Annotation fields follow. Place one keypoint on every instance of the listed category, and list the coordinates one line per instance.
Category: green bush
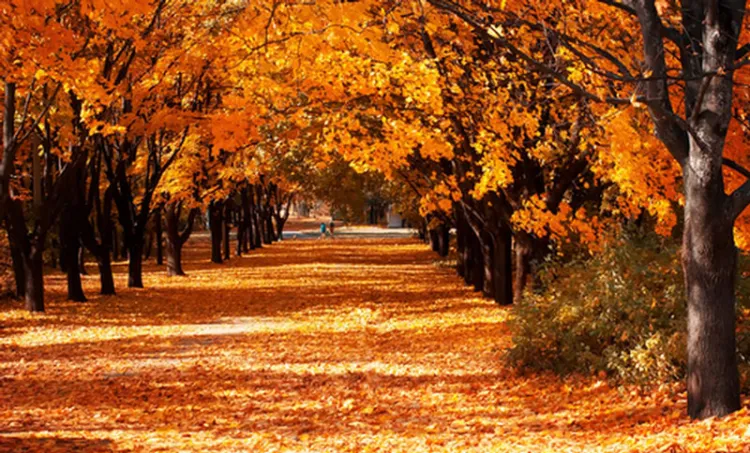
(622, 312)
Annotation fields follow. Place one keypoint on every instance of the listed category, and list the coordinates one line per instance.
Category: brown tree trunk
(709, 261)
(82, 260)
(474, 268)
(240, 231)
(257, 229)
(269, 230)
(34, 276)
(75, 288)
(280, 221)
(106, 280)
(159, 237)
(434, 240)
(135, 263)
(174, 256)
(176, 239)
(18, 270)
(523, 252)
(70, 254)
(444, 238)
(148, 246)
(115, 244)
(124, 248)
(502, 266)
(461, 247)
(215, 229)
(248, 204)
(226, 234)
(107, 236)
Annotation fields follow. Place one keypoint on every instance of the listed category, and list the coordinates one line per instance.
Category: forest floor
(306, 346)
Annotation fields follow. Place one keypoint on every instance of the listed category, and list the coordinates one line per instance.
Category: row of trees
(526, 127)
(113, 117)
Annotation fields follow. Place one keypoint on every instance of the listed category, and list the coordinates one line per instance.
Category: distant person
(322, 230)
(331, 226)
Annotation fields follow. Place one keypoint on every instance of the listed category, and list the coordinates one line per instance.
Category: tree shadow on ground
(38, 444)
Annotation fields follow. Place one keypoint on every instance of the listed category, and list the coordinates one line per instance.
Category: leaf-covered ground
(347, 345)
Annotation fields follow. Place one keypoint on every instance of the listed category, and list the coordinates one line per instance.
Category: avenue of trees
(527, 127)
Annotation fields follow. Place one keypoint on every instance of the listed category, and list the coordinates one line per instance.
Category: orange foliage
(346, 345)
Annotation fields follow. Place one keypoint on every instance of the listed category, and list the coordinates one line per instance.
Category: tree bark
(176, 239)
(280, 221)
(269, 230)
(257, 228)
(502, 269)
(174, 245)
(34, 273)
(148, 245)
(159, 237)
(82, 260)
(70, 254)
(106, 280)
(215, 229)
(115, 244)
(444, 238)
(227, 213)
(474, 265)
(18, 270)
(75, 287)
(434, 240)
(135, 263)
(523, 250)
(709, 261)
(240, 231)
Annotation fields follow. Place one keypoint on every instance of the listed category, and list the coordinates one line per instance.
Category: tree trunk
(135, 263)
(269, 228)
(18, 270)
(248, 207)
(82, 260)
(215, 228)
(434, 240)
(70, 252)
(257, 229)
(176, 238)
(461, 248)
(523, 253)
(261, 224)
(34, 276)
(240, 232)
(502, 268)
(709, 261)
(444, 237)
(115, 244)
(159, 238)
(174, 246)
(227, 230)
(107, 231)
(75, 288)
(123, 248)
(148, 245)
(280, 221)
(476, 272)
(174, 257)
(106, 280)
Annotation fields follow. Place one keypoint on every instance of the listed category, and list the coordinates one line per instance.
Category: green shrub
(622, 312)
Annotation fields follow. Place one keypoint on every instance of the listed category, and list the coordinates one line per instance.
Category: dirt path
(348, 345)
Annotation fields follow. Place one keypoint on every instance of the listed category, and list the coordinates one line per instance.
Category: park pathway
(350, 345)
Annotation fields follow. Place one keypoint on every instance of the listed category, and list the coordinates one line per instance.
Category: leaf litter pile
(348, 345)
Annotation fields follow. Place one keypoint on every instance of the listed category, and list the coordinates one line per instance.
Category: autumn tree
(688, 57)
